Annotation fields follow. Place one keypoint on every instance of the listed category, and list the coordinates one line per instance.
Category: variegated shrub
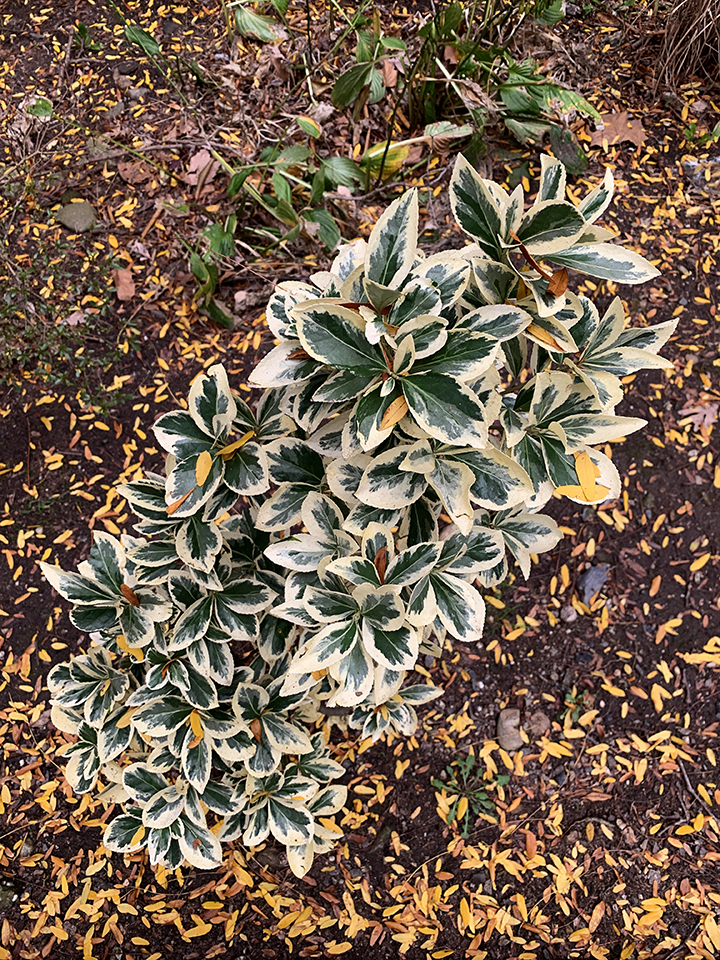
(298, 558)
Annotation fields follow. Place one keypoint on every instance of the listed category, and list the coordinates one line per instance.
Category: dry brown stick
(693, 792)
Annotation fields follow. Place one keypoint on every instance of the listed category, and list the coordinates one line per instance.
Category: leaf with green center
(465, 356)
(198, 543)
(326, 647)
(446, 410)
(354, 673)
(412, 564)
(126, 833)
(550, 227)
(210, 403)
(293, 461)
(192, 624)
(393, 242)
(200, 847)
(286, 363)
(369, 414)
(608, 262)
(290, 823)
(196, 759)
(386, 484)
(396, 648)
(333, 335)
(552, 180)
(598, 200)
(453, 482)
(183, 494)
(75, 588)
(246, 471)
(527, 533)
(475, 209)
(459, 606)
(498, 481)
(500, 321)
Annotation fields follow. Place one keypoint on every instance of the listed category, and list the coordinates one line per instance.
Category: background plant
(300, 556)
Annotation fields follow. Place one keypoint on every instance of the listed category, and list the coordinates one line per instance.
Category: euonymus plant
(297, 558)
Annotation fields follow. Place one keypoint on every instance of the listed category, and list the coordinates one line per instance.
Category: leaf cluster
(297, 558)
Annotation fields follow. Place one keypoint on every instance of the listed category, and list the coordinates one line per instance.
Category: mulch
(605, 840)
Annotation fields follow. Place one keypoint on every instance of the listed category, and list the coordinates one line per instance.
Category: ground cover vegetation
(163, 169)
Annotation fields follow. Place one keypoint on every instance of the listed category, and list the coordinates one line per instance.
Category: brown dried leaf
(197, 166)
(124, 284)
(135, 172)
(129, 595)
(619, 128)
(597, 915)
(557, 284)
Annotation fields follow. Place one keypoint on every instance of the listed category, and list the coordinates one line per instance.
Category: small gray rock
(27, 849)
(78, 217)
(508, 730)
(592, 581)
(568, 614)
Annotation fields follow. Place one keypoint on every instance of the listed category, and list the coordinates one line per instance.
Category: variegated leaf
(446, 410)
(460, 606)
(210, 403)
(334, 336)
(550, 227)
(393, 241)
(387, 485)
(474, 208)
(608, 262)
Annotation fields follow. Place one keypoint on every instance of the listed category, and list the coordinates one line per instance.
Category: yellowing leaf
(308, 125)
(230, 449)
(535, 331)
(177, 504)
(461, 808)
(597, 915)
(126, 718)
(196, 724)
(395, 157)
(699, 563)
(589, 491)
(203, 466)
(394, 413)
(657, 694)
(136, 652)
(138, 835)
(712, 930)
(587, 471)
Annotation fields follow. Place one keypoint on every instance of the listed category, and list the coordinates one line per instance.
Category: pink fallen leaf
(199, 163)
(124, 284)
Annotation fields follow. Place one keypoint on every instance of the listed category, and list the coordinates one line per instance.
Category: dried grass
(692, 42)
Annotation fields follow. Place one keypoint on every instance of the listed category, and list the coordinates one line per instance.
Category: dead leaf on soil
(389, 73)
(619, 128)
(74, 319)
(135, 172)
(124, 284)
(701, 415)
(197, 166)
